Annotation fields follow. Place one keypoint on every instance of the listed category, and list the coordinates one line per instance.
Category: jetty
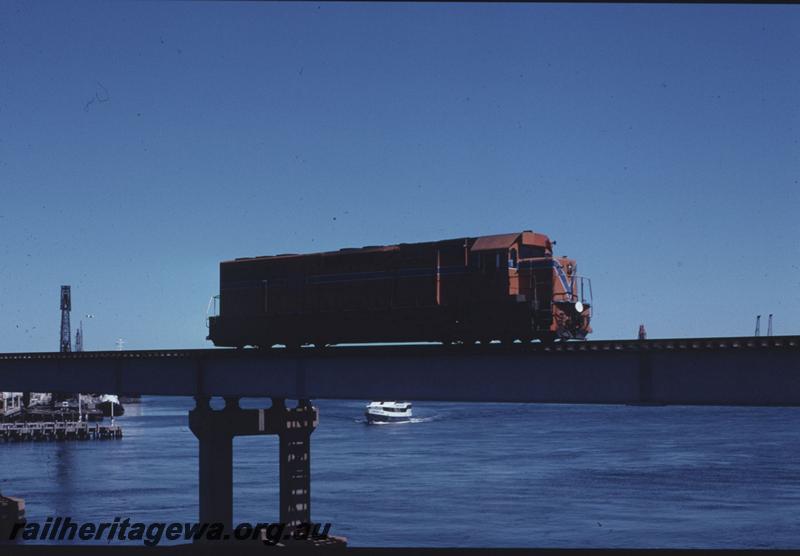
(57, 431)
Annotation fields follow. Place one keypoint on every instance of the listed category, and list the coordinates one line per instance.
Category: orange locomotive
(502, 287)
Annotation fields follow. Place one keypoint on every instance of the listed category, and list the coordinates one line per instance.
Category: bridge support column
(215, 462)
(295, 464)
(215, 430)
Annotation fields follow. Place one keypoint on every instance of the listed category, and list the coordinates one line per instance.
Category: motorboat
(388, 412)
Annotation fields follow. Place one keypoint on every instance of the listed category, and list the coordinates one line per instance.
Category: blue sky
(143, 142)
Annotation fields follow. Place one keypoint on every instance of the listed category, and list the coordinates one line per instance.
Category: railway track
(599, 346)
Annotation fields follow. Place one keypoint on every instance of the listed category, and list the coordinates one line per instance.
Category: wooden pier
(57, 431)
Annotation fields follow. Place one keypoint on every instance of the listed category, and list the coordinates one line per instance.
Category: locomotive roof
(366, 249)
(504, 241)
(482, 243)
(499, 241)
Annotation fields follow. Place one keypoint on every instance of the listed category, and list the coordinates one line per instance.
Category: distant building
(10, 404)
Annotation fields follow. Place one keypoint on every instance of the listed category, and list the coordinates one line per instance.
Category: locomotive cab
(561, 299)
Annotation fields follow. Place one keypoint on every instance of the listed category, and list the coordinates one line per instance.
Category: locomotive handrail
(586, 280)
(212, 310)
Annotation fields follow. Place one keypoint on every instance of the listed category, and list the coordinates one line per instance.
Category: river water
(461, 475)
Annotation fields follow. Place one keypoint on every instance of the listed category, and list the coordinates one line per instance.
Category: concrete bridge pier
(215, 461)
(295, 464)
(215, 430)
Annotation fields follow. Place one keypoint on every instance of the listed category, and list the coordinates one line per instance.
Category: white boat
(388, 412)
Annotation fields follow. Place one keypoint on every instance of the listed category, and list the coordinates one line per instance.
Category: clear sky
(143, 142)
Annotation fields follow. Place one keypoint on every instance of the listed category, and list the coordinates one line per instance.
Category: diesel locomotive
(504, 287)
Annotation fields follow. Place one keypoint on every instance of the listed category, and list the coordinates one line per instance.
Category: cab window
(531, 251)
(512, 258)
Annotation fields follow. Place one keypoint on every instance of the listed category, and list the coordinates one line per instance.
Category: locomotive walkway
(750, 371)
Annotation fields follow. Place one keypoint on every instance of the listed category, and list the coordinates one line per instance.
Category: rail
(721, 343)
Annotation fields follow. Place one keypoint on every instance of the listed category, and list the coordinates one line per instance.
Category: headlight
(579, 307)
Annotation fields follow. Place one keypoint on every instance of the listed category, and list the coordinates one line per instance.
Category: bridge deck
(713, 371)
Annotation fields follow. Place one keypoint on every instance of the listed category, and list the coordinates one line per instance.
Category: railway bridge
(745, 371)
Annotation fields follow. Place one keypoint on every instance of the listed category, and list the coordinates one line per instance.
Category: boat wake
(410, 421)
